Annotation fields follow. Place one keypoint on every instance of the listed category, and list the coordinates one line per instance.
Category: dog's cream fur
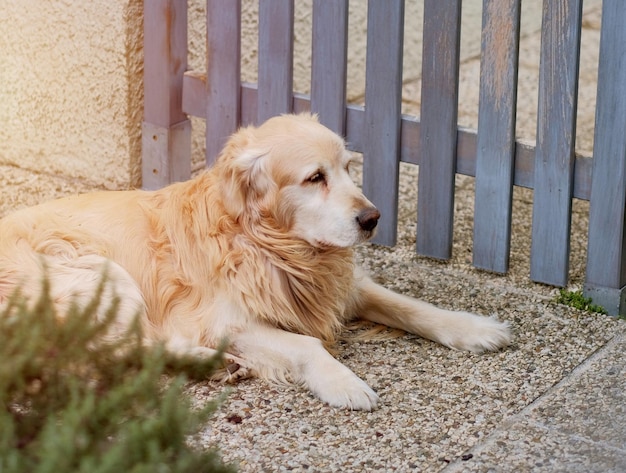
(255, 251)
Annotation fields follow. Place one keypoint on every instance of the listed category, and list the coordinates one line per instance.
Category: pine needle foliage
(70, 402)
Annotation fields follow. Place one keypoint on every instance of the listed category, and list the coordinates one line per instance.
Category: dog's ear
(243, 177)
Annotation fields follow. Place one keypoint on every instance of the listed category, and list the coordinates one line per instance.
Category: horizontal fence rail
(466, 139)
(434, 142)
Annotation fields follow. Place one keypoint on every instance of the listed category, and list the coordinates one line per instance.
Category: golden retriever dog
(256, 250)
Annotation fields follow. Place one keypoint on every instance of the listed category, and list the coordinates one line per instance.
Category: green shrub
(70, 403)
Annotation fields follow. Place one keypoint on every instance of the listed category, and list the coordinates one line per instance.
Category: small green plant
(577, 300)
(71, 403)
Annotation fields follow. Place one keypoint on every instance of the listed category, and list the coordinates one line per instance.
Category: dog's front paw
(232, 370)
(339, 387)
(352, 393)
(477, 334)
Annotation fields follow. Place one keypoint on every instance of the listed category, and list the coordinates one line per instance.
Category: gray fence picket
(556, 128)
(383, 96)
(223, 78)
(329, 63)
(606, 269)
(275, 58)
(438, 128)
(495, 153)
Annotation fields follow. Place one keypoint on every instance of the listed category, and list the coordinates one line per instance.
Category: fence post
(329, 63)
(495, 148)
(438, 127)
(556, 133)
(166, 131)
(275, 94)
(223, 77)
(382, 123)
(606, 264)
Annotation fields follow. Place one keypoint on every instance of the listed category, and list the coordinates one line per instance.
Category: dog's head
(292, 172)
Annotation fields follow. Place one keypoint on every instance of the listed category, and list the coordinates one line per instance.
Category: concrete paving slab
(528, 447)
(577, 426)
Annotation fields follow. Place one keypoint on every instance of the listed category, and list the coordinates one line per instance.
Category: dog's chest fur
(300, 289)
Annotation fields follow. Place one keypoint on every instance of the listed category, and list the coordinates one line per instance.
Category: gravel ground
(436, 403)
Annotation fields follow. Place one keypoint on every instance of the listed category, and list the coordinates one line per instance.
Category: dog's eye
(317, 178)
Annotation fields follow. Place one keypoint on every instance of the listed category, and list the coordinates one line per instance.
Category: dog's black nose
(368, 218)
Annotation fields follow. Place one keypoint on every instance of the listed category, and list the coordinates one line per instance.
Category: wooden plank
(329, 63)
(355, 127)
(223, 77)
(495, 153)
(606, 264)
(194, 93)
(166, 154)
(300, 103)
(556, 128)
(383, 95)
(165, 60)
(275, 58)
(438, 128)
(166, 157)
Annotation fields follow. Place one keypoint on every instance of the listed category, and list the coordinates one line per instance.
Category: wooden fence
(434, 142)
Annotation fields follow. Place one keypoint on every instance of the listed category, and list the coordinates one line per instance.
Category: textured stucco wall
(71, 94)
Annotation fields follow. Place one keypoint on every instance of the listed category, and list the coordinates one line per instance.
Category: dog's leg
(284, 356)
(458, 330)
(231, 370)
